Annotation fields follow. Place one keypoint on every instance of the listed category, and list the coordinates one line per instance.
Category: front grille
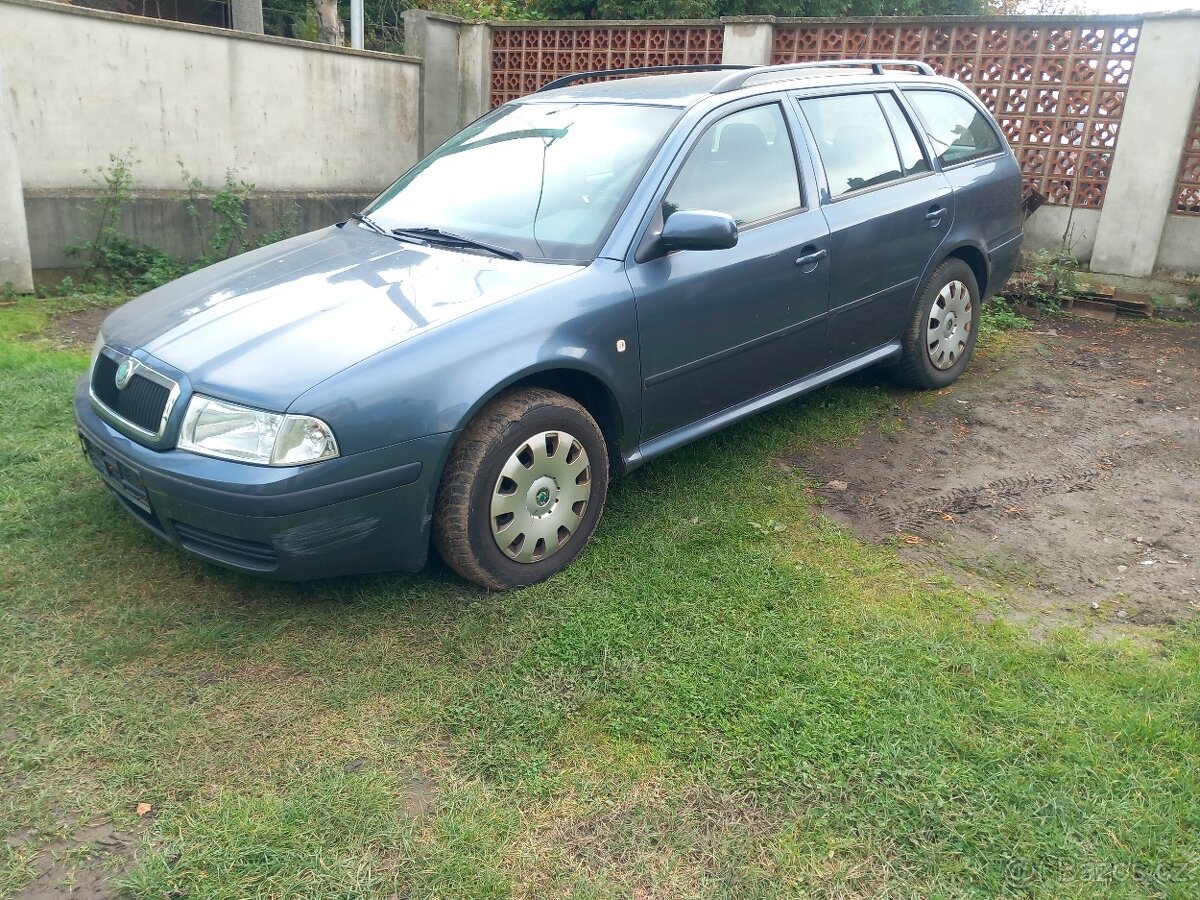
(236, 551)
(142, 402)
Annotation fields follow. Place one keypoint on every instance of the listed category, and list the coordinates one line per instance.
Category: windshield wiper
(449, 238)
(379, 229)
(370, 223)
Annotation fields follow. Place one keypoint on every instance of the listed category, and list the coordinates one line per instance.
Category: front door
(720, 327)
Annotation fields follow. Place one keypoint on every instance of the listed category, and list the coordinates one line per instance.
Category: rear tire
(940, 339)
(523, 490)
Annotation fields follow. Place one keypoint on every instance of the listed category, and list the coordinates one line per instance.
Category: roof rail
(735, 80)
(640, 70)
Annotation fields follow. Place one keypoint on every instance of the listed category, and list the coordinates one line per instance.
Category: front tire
(941, 336)
(523, 490)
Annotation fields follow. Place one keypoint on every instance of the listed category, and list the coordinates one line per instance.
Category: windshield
(544, 179)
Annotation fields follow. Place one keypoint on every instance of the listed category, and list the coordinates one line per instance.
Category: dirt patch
(1061, 472)
(77, 330)
(85, 864)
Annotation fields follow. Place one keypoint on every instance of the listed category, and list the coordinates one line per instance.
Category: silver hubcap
(949, 325)
(541, 496)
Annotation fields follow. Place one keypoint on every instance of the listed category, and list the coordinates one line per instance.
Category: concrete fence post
(1162, 89)
(247, 15)
(474, 71)
(435, 38)
(16, 267)
(748, 40)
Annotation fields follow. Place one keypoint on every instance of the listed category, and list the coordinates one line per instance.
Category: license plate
(121, 478)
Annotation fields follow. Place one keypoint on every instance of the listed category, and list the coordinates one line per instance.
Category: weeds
(223, 231)
(998, 316)
(1055, 274)
(116, 263)
(110, 254)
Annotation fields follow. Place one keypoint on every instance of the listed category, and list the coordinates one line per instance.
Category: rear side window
(854, 141)
(957, 129)
(911, 156)
(743, 165)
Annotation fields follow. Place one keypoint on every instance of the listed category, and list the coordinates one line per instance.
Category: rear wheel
(941, 336)
(523, 490)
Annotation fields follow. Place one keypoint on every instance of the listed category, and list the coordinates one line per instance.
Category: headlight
(217, 428)
(96, 347)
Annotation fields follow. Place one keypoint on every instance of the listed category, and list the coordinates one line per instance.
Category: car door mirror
(699, 229)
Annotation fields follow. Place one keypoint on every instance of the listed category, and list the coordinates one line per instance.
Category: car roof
(686, 88)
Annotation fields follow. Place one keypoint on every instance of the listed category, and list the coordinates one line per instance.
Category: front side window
(546, 179)
(958, 130)
(743, 165)
(854, 141)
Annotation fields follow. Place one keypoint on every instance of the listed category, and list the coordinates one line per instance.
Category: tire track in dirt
(1063, 469)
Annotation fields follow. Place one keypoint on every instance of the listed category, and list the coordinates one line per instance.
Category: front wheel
(523, 490)
(941, 336)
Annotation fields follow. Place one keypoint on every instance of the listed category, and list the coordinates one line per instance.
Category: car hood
(266, 326)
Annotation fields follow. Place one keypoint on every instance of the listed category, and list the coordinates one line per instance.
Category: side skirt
(706, 426)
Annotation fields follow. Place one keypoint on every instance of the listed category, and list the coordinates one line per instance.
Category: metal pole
(356, 24)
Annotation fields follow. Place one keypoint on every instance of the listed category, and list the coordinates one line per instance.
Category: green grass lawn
(726, 696)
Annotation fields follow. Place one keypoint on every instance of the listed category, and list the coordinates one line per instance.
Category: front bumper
(369, 512)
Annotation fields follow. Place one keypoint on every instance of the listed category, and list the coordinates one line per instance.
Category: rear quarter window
(957, 129)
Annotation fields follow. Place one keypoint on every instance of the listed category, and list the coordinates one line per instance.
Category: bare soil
(1061, 473)
(85, 864)
(78, 330)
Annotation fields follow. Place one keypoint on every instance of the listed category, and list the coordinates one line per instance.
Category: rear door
(975, 160)
(720, 327)
(887, 209)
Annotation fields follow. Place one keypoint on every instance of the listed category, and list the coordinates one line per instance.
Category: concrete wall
(325, 127)
(748, 41)
(1053, 226)
(434, 39)
(474, 71)
(1179, 251)
(160, 219)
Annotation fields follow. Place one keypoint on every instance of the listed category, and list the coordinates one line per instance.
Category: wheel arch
(585, 387)
(976, 259)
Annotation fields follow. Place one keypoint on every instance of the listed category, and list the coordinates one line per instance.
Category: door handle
(935, 215)
(812, 258)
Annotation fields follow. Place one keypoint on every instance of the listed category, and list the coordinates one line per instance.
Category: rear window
(958, 130)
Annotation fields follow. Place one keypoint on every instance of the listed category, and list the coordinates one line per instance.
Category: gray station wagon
(575, 283)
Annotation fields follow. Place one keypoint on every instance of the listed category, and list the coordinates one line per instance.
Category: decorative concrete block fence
(1103, 113)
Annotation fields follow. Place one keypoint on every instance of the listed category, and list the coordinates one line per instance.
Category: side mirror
(699, 229)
